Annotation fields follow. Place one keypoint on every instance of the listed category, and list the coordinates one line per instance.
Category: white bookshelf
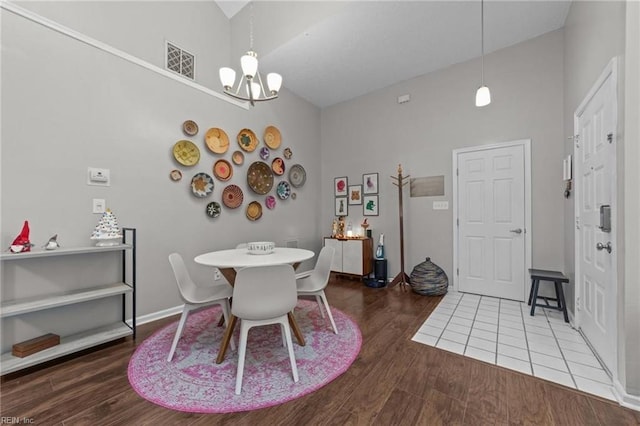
(83, 339)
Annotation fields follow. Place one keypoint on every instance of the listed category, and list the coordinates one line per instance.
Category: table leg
(296, 329)
(226, 338)
(230, 275)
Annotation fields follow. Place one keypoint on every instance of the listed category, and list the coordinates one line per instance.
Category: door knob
(516, 231)
(606, 247)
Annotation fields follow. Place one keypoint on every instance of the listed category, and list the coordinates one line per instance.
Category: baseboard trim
(625, 399)
(154, 316)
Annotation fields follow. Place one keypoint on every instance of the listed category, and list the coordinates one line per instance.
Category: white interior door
(596, 250)
(491, 221)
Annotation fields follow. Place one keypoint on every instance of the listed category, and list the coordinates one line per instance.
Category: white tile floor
(502, 332)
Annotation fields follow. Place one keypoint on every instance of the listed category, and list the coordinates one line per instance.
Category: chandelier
(250, 79)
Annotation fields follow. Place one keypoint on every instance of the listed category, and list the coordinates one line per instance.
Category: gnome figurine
(22, 244)
(52, 244)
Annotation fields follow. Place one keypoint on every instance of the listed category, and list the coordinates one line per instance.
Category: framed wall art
(342, 206)
(370, 183)
(370, 205)
(340, 186)
(355, 194)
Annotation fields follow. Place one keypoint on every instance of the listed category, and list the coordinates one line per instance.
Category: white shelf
(32, 304)
(62, 251)
(68, 345)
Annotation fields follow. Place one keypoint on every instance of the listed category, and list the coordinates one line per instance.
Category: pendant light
(483, 96)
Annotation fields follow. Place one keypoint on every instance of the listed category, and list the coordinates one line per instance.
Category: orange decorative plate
(247, 140)
(217, 140)
(232, 196)
(272, 137)
(254, 210)
(222, 170)
(238, 158)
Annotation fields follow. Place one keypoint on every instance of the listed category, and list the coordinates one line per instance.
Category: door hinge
(577, 222)
(576, 139)
(457, 172)
(458, 222)
(610, 137)
(457, 271)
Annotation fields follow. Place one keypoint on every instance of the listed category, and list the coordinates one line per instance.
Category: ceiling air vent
(180, 61)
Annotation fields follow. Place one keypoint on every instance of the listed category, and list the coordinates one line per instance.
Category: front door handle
(516, 231)
(606, 247)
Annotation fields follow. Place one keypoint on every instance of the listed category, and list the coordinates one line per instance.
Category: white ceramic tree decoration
(107, 231)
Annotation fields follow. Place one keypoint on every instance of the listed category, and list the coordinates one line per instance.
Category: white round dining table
(241, 258)
(228, 261)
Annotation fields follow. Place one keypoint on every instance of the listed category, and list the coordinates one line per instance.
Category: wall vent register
(180, 61)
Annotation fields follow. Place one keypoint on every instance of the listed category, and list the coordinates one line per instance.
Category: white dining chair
(195, 296)
(315, 283)
(264, 295)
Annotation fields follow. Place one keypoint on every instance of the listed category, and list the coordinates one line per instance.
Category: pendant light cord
(482, 36)
(251, 26)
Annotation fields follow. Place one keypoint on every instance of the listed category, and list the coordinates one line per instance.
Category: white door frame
(526, 144)
(611, 70)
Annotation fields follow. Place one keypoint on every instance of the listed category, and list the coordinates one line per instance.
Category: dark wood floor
(394, 381)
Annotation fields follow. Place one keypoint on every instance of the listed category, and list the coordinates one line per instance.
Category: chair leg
(292, 357)
(534, 296)
(244, 332)
(320, 305)
(176, 338)
(326, 305)
(561, 301)
(283, 335)
(226, 308)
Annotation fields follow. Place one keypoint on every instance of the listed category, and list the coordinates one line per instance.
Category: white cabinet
(351, 256)
(23, 317)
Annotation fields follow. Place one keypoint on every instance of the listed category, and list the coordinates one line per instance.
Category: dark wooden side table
(557, 278)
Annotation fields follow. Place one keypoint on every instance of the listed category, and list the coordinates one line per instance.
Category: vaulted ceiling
(363, 46)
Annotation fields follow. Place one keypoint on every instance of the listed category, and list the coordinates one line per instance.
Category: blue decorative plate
(283, 190)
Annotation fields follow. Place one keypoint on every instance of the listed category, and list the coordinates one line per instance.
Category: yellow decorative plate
(254, 210)
(247, 140)
(272, 137)
(186, 153)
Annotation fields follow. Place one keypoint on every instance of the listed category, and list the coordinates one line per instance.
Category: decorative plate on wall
(288, 153)
(201, 185)
(247, 140)
(254, 210)
(232, 196)
(190, 127)
(264, 153)
(217, 140)
(260, 177)
(238, 158)
(283, 190)
(270, 202)
(213, 209)
(223, 170)
(186, 153)
(277, 165)
(272, 137)
(297, 175)
(175, 175)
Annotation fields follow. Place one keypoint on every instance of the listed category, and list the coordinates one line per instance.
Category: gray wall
(374, 133)
(67, 106)
(595, 33)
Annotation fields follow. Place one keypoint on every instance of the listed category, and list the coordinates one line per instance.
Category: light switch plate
(99, 205)
(441, 205)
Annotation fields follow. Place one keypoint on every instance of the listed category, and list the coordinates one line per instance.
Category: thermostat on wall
(98, 177)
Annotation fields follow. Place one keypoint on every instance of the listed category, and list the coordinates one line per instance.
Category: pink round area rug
(193, 382)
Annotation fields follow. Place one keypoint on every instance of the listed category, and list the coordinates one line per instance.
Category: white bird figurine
(52, 244)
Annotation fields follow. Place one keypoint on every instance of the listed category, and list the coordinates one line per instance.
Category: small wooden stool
(557, 278)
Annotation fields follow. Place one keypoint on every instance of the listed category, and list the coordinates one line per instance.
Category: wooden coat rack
(402, 278)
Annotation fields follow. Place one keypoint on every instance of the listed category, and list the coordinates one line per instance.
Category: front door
(491, 221)
(595, 154)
